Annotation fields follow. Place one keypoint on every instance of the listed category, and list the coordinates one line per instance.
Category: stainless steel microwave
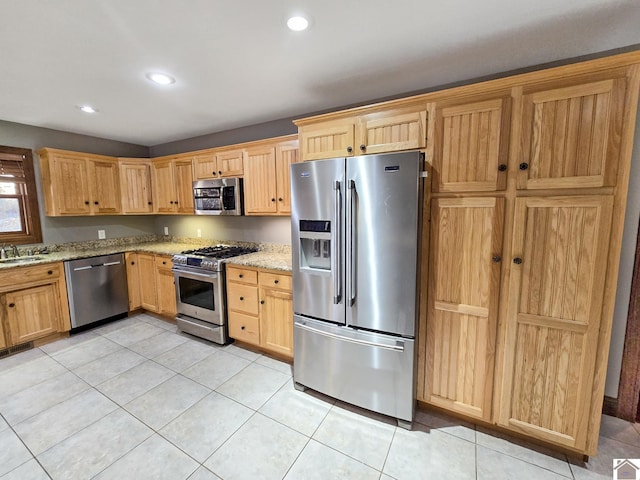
(218, 197)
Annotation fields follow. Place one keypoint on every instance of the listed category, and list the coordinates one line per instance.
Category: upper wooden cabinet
(376, 131)
(570, 136)
(218, 164)
(556, 294)
(79, 183)
(135, 185)
(471, 145)
(173, 185)
(266, 178)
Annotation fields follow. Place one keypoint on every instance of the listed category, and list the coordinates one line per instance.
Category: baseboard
(610, 406)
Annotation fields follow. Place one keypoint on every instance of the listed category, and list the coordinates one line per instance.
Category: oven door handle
(194, 274)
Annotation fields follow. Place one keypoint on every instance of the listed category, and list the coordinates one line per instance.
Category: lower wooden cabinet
(34, 304)
(260, 308)
(151, 283)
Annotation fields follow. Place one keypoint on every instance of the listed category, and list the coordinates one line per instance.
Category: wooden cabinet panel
(105, 186)
(166, 291)
(286, 154)
(183, 187)
(327, 139)
(3, 342)
(555, 308)
(135, 186)
(570, 136)
(148, 287)
(393, 131)
(276, 320)
(471, 146)
(231, 163)
(32, 313)
(260, 181)
(133, 280)
(205, 166)
(70, 185)
(276, 280)
(242, 298)
(242, 275)
(245, 328)
(163, 187)
(218, 164)
(464, 272)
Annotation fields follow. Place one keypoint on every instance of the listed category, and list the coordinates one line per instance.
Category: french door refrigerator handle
(351, 222)
(399, 346)
(337, 249)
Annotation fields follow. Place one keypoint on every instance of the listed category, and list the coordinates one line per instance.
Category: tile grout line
(33, 457)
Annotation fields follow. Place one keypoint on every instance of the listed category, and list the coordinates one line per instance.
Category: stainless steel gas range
(200, 290)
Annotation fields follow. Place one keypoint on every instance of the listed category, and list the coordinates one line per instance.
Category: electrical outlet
(101, 235)
(199, 233)
(166, 230)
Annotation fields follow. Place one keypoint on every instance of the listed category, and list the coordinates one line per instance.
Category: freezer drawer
(370, 370)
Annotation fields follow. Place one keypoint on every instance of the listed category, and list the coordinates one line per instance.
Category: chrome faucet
(3, 252)
(14, 250)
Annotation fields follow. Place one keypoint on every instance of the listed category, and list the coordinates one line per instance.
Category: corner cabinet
(372, 131)
(135, 185)
(34, 303)
(79, 183)
(266, 178)
(260, 308)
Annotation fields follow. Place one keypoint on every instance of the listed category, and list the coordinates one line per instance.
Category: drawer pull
(261, 302)
(242, 327)
(276, 281)
(11, 305)
(241, 299)
(240, 276)
(50, 272)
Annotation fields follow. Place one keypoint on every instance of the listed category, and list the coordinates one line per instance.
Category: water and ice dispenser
(315, 244)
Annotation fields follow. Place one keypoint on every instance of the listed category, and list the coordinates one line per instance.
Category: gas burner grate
(220, 251)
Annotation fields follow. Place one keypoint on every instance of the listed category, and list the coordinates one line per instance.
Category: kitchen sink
(20, 260)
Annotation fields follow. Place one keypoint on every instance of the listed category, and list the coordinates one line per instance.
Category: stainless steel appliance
(355, 226)
(200, 290)
(218, 197)
(96, 288)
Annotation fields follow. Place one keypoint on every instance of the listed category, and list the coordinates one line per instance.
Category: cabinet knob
(363, 147)
(171, 202)
(149, 203)
(219, 172)
(502, 167)
(164, 262)
(349, 149)
(280, 199)
(524, 166)
(273, 199)
(50, 272)
(241, 299)
(86, 202)
(95, 203)
(11, 305)
(176, 202)
(496, 258)
(240, 276)
(276, 281)
(261, 302)
(242, 327)
(517, 260)
(133, 263)
(213, 173)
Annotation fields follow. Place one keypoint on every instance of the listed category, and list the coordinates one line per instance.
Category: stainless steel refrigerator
(355, 225)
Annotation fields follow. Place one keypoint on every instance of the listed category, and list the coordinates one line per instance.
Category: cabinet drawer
(244, 328)
(275, 280)
(13, 278)
(243, 298)
(163, 262)
(235, 274)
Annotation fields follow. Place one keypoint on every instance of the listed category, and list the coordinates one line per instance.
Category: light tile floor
(135, 400)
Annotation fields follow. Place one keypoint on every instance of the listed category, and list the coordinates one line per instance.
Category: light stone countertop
(264, 259)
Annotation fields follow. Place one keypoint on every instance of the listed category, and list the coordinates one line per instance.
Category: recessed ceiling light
(297, 23)
(87, 109)
(161, 78)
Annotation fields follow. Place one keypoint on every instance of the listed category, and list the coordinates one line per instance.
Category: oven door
(199, 295)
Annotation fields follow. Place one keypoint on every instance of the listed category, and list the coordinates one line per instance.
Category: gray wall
(76, 229)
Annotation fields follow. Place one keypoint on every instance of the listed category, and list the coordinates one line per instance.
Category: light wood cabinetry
(218, 164)
(166, 286)
(471, 145)
(133, 280)
(260, 308)
(148, 282)
(372, 131)
(135, 185)
(3, 342)
(34, 303)
(173, 185)
(464, 276)
(151, 283)
(79, 183)
(266, 178)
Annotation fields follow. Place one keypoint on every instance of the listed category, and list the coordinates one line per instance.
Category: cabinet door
(133, 280)
(393, 131)
(327, 139)
(205, 166)
(184, 186)
(148, 289)
(71, 185)
(3, 342)
(276, 321)
(245, 328)
(135, 187)
(32, 313)
(555, 300)
(163, 187)
(260, 182)
(571, 136)
(105, 187)
(166, 291)
(231, 163)
(471, 146)
(286, 154)
(464, 275)
(242, 298)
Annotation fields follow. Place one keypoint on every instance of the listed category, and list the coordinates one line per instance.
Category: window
(19, 213)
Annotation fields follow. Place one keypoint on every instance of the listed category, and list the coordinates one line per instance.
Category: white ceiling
(237, 64)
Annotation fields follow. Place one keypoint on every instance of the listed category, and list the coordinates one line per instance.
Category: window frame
(32, 229)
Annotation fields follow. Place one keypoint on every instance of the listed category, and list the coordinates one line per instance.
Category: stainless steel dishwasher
(97, 288)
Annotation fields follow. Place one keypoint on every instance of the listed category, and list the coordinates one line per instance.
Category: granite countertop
(277, 257)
